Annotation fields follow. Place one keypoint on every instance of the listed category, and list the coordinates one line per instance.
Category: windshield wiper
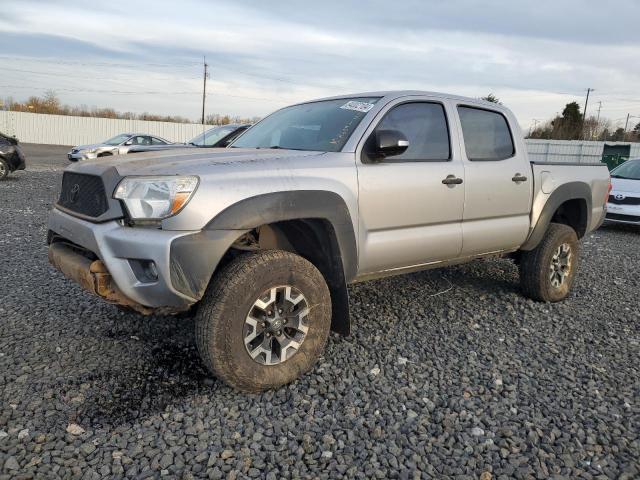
(272, 147)
(278, 147)
(620, 176)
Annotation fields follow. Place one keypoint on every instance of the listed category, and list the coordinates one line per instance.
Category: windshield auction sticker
(357, 106)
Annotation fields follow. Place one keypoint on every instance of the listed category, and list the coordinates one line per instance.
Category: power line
(87, 90)
(133, 64)
(273, 99)
(101, 78)
(164, 92)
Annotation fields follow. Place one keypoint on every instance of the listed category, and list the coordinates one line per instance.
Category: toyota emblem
(73, 193)
(619, 196)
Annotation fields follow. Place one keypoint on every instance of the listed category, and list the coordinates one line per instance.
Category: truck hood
(190, 161)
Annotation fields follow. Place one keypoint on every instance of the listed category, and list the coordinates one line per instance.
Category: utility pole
(204, 86)
(584, 115)
(597, 127)
(586, 103)
(626, 124)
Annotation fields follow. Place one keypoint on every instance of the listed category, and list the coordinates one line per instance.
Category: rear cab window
(486, 134)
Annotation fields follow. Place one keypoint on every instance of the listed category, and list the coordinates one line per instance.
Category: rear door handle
(519, 178)
(452, 180)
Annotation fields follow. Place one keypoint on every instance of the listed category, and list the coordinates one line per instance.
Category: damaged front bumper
(92, 275)
(109, 259)
(118, 249)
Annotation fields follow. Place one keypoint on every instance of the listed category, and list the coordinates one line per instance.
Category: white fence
(567, 151)
(68, 130)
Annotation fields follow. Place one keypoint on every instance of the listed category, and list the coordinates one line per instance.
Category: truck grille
(624, 201)
(83, 194)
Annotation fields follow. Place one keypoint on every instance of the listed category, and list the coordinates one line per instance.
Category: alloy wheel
(275, 326)
(560, 267)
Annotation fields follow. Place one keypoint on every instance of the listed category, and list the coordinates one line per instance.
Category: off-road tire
(4, 169)
(535, 265)
(220, 320)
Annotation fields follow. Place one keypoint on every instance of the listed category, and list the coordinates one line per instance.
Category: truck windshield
(629, 170)
(322, 126)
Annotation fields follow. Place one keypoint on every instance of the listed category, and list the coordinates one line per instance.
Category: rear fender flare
(562, 194)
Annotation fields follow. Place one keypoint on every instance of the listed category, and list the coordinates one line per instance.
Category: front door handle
(452, 180)
(519, 178)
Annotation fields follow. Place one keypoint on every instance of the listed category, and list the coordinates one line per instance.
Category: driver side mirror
(386, 143)
(128, 142)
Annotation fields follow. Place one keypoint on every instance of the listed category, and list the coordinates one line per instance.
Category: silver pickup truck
(264, 236)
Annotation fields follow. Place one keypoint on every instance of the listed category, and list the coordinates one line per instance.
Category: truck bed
(547, 177)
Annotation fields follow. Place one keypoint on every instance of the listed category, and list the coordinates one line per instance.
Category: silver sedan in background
(118, 145)
(216, 137)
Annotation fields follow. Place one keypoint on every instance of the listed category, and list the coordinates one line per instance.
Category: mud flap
(340, 319)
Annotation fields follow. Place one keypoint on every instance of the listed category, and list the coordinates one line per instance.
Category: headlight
(93, 150)
(155, 198)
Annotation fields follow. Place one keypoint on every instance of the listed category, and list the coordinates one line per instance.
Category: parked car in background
(11, 156)
(219, 136)
(216, 137)
(118, 145)
(265, 235)
(624, 199)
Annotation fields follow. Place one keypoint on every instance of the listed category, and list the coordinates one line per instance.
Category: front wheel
(548, 271)
(264, 320)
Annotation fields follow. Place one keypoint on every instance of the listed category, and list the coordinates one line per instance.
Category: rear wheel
(547, 272)
(4, 169)
(264, 320)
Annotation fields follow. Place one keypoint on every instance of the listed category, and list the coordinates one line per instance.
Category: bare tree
(50, 103)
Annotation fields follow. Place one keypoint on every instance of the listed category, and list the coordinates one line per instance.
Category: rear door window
(486, 133)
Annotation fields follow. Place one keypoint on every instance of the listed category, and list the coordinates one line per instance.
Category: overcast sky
(141, 56)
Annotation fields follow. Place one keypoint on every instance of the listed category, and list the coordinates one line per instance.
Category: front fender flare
(292, 205)
(304, 204)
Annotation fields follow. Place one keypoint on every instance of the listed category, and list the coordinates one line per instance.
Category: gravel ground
(448, 374)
